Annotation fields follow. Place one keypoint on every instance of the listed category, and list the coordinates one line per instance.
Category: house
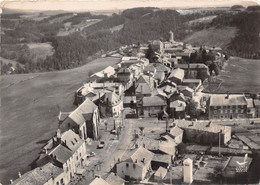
(176, 96)
(160, 174)
(194, 70)
(144, 86)
(161, 160)
(177, 134)
(48, 174)
(227, 106)
(177, 109)
(135, 164)
(204, 132)
(107, 72)
(99, 181)
(165, 145)
(156, 67)
(186, 91)
(84, 120)
(250, 108)
(257, 108)
(67, 151)
(181, 55)
(125, 75)
(129, 101)
(151, 106)
(192, 83)
(159, 76)
(176, 76)
(112, 104)
(114, 179)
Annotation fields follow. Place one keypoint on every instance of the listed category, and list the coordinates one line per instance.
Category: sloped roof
(61, 153)
(161, 172)
(157, 67)
(224, 100)
(86, 107)
(165, 158)
(178, 105)
(159, 75)
(143, 88)
(39, 176)
(153, 101)
(124, 70)
(111, 97)
(72, 140)
(63, 115)
(114, 179)
(140, 156)
(184, 88)
(99, 181)
(203, 126)
(176, 131)
(177, 73)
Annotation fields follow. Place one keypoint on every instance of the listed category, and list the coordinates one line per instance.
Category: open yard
(240, 76)
(29, 108)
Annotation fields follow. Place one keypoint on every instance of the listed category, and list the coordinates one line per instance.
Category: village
(147, 120)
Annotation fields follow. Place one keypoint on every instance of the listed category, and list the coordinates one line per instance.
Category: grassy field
(41, 50)
(218, 37)
(29, 109)
(239, 76)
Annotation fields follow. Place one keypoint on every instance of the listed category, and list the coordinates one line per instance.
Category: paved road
(102, 163)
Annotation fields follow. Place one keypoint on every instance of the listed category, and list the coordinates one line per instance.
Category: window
(57, 183)
(61, 182)
(127, 165)
(215, 112)
(75, 139)
(72, 142)
(133, 165)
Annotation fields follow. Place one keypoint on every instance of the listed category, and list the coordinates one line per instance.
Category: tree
(192, 109)
(150, 54)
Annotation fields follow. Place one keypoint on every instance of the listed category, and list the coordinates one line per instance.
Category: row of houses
(233, 106)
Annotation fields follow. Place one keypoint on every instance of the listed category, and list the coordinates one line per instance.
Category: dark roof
(61, 153)
(39, 176)
(191, 81)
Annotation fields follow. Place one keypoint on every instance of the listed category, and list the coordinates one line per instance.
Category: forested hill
(69, 39)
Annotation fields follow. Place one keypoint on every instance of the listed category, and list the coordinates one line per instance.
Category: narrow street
(101, 164)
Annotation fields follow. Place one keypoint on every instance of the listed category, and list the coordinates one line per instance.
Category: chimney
(143, 160)
(19, 175)
(11, 180)
(209, 124)
(58, 134)
(141, 89)
(144, 145)
(46, 151)
(227, 96)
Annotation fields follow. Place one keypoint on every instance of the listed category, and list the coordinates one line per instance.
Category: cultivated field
(218, 37)
(28, 114)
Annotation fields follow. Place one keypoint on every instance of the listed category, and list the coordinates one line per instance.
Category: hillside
(237, 32)
(218, 37)
(31, 102)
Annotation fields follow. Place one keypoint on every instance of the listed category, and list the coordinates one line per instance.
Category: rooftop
(153, 101)
(99, 181)
(140, 156)
(177, 73)
(161, 172)
(39, 176)
(192, 66)
(191, 81)
(61, 153)
(86, 107)
(223, 100)
(257, 102)
(249, 103)
(114, 179)
(204, 126)
(176, 131)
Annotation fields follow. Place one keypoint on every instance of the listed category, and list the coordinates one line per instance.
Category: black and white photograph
(129, 92)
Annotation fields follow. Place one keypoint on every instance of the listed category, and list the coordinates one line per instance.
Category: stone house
(84, 120)
(135, 165)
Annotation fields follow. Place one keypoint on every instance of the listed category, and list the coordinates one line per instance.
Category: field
(218, 37)
(30, 105)
(207, 19)
(240, 76)
(41, 50)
